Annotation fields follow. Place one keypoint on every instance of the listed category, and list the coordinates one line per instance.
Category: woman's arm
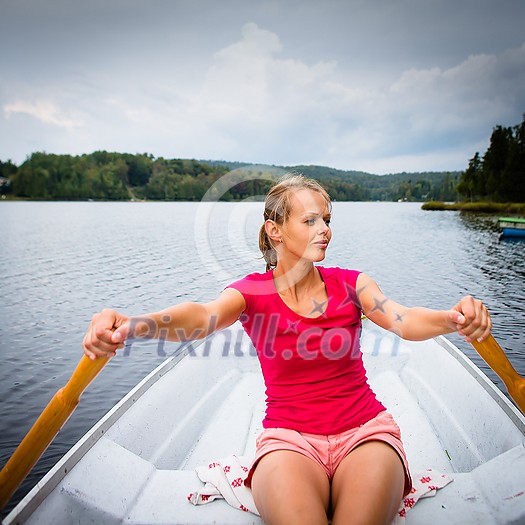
(186, 321)
(469, 317)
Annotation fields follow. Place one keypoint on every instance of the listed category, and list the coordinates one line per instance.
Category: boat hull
(512, 232)
(137, 465)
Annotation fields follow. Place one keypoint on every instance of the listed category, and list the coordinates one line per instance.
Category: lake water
(60, 262)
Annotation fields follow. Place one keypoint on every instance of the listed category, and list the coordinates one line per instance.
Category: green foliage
(7, 170)
(104, 175)
(45, 176)
(178, 179)
(139, 169)
(360, 186)
(500, 175)
(513, 208)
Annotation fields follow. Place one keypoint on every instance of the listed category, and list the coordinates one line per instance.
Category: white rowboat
(137, 465)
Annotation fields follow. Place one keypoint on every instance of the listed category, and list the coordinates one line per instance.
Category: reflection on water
(499, 265)
(61, 262)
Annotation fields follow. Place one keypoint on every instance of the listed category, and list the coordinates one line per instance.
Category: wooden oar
(47, 426)
(494, 356)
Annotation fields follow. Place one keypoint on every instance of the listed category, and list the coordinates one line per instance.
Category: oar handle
(47, 426)
(491, 352)
(83, 375)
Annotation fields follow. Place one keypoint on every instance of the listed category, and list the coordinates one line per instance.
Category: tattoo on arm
(399, 317)
(379, 305)
(359, 291)
(379, 302)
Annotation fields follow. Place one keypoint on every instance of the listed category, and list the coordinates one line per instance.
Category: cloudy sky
(374, 85)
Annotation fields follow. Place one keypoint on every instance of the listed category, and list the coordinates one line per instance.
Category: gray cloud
(378, 86)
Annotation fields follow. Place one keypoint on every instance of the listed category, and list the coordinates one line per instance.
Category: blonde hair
(277, 208)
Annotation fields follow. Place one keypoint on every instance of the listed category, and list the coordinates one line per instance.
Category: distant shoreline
(512, 208)
(515, 208)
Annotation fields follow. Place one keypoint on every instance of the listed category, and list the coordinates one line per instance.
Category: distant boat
(137, 464)
(511, 227)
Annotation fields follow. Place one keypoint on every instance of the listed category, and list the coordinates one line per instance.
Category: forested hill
(106, 175)
(419, 186)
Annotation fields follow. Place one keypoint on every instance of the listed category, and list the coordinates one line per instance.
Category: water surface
(60, 262)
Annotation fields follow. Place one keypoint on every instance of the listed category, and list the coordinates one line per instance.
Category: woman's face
(306, 233)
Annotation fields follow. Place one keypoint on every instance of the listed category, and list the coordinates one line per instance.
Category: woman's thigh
(368, 485)
(289, 488)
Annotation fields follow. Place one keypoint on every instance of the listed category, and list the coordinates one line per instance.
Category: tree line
(106, 175)
(499, 175)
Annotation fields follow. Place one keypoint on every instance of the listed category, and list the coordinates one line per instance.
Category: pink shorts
(329, 450)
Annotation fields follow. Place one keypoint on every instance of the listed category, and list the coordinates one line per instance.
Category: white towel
(425, 484)
(224, 478)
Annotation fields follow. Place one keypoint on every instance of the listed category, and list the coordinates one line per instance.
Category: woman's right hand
(106, 334)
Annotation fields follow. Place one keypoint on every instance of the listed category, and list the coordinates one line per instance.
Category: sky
(381, 86)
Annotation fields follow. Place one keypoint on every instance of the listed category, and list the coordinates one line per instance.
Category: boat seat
(150, 495)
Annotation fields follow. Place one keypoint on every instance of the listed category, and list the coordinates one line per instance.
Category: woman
(328, 447)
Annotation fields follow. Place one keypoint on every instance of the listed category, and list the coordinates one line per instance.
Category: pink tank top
(312, 367)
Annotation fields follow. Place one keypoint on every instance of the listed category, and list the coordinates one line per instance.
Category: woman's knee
(290, 488)
(369, 483)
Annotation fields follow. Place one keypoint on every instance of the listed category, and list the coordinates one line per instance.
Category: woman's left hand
(472, 319)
